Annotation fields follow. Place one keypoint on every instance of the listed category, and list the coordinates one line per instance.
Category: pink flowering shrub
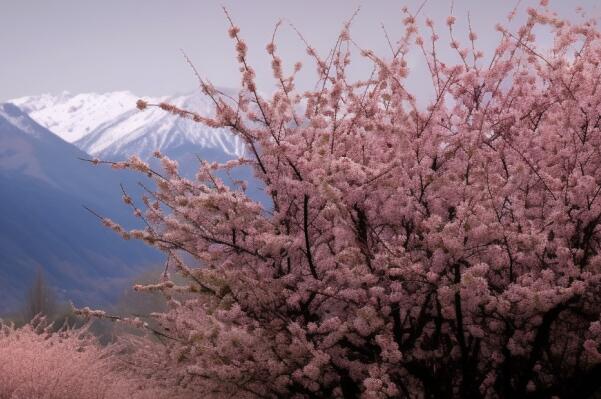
(445, 251)
(68, 364)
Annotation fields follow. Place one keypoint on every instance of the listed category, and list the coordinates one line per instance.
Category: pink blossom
(456, 242)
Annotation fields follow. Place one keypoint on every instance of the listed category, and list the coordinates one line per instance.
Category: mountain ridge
(109, 125)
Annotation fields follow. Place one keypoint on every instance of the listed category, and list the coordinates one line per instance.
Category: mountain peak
(110, 125)
(72, 116)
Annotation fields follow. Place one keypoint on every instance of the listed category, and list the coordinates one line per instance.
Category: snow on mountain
(73, 116)
(109, 125)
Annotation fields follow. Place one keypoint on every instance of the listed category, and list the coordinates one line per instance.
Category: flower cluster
(446, 251)
(38, 362)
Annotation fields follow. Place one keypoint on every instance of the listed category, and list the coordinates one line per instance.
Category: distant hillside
(43, 224)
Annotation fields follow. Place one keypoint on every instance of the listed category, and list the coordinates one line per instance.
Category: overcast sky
(86, 45)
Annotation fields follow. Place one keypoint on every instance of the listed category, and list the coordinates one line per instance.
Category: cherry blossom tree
(443, 251)
(39, 362)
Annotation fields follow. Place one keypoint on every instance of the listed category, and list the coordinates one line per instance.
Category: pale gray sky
(87, 45)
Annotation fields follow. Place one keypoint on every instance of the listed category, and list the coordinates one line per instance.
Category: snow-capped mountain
(44, 185)
(73, 116)
(109, 126)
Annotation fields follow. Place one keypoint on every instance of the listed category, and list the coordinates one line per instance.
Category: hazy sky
(86, 45)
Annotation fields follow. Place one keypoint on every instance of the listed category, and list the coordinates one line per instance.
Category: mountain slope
(109, 126)
(43, 186)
